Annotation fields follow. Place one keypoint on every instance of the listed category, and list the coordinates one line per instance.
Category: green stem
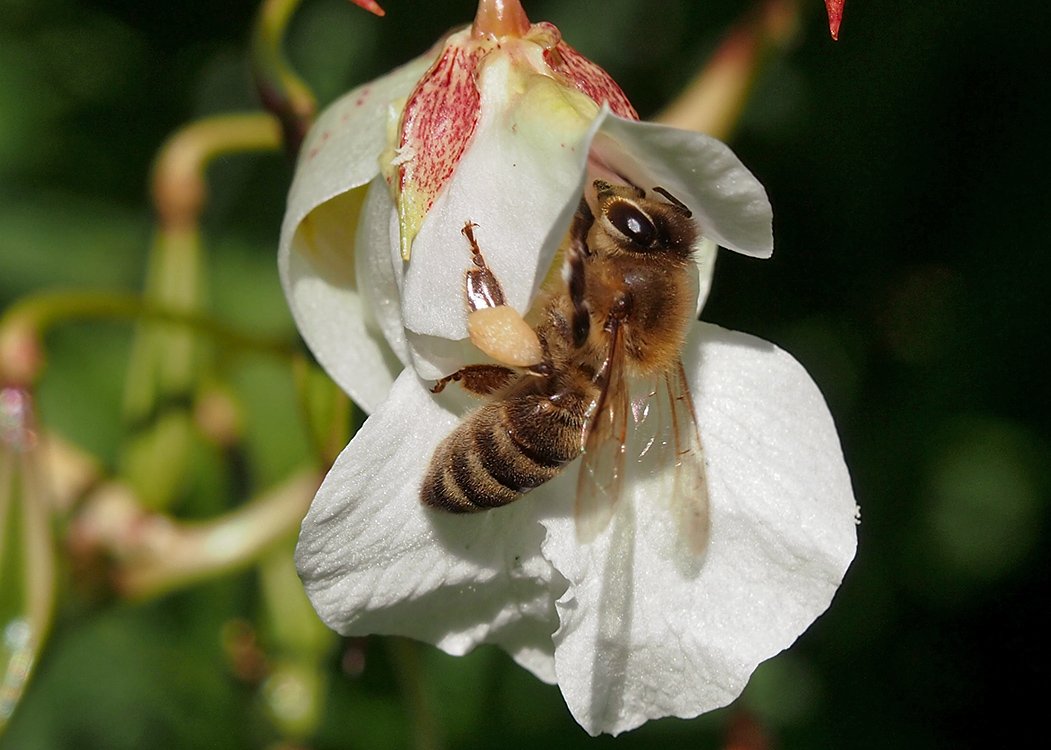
(405, 654)
(153, 553)
(325, 409)
(27, 564)
(179, 187)
(713, 101)
(31, 318)
(281, 90)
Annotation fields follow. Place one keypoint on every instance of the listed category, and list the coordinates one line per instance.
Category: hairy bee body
(510, 445)
(627, 297)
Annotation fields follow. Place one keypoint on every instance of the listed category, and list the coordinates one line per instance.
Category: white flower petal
(374, 560)
(519, 181)
(342, 150)
(704, 256)
(375, 264)
(729, 203)
(642, 635)
(316, 255)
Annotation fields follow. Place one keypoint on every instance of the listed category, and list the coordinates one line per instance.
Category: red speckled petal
(439, 120)
(370, 5)
(589, 79)
(835, 15)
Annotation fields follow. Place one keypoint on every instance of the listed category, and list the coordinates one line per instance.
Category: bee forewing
(689, 500)
(602, 465)
(665, 464)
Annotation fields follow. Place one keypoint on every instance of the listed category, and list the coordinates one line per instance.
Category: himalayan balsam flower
(502, 124)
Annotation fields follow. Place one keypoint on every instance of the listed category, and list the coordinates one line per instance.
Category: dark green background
(907, 169)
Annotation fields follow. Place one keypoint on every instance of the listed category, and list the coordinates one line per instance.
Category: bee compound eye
(631, 222)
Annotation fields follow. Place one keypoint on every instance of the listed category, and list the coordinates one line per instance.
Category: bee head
(635, 223)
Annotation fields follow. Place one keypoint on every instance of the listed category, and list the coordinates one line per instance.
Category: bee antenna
(675, 202)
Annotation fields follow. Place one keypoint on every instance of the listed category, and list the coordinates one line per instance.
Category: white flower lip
(629, 631)
(637, 638)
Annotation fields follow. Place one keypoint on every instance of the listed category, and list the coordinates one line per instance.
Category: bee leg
(545, 368)
(493, 326)
(482, 287)
(481, 380)
(682, 207)
(574, 272)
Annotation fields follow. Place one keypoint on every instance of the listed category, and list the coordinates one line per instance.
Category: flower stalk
(405, 655)
(25, 324)
(280, 88)
(294, 689)
(713, 101)
(500, 18)
(27, 566)
(152, 553)
(167, 362)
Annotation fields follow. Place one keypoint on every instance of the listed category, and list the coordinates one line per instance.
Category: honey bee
(609, 383)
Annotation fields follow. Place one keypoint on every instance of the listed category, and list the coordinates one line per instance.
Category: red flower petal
(370, 5)
(439, 119)
(835, 16)
(586, 76)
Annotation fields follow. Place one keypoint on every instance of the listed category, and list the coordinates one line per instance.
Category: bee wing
(689, 498)
(654, 421)
(665, 455)
(602, 465)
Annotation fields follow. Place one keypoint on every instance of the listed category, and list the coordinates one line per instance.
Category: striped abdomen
(505, 448)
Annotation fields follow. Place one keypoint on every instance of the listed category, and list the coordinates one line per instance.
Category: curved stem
(281, 90)
(713, 101)
(26, 322)
(179, 187)
(165, 362)
(405, 656)
(153, 553)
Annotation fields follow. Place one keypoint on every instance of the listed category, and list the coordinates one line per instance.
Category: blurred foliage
(907, 168)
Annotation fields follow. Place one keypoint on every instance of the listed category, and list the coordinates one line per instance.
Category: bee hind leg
(482, 287)
(481, 380)
(493, 326)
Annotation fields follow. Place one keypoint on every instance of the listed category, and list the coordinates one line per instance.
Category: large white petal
(375, 264)
(643, 632)
(519, 181)
(729, 203)
(374, 560)
(316, 257)
(342, 150)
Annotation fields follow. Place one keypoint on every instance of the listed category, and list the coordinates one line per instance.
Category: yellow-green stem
(297, 643)
(26, 322)
(281, 90)
(405, 655)
(27, 567)
(713, 101)
(326, 411)
(153, 553)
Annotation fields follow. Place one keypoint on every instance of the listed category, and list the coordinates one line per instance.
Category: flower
(373, 264)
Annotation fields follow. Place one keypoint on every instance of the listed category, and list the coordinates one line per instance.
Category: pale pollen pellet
(501, 333)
